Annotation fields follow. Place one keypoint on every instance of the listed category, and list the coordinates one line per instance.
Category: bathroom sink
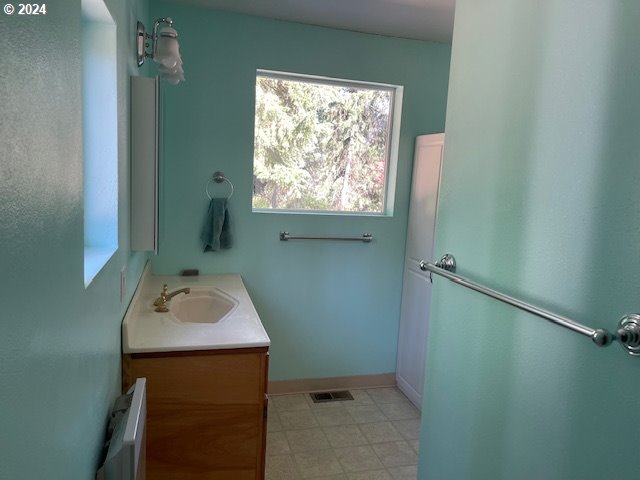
(217, 314)
(202, 306)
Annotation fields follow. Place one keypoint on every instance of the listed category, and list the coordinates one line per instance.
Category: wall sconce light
(165, 50)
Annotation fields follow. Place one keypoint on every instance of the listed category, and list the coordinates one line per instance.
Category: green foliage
(320, 146)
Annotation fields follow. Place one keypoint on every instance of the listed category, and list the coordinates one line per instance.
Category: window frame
(393, 140)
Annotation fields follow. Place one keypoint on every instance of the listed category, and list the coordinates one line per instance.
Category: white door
(416, 289)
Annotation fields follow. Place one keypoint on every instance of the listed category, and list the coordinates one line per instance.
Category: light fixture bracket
(141, 43)
(142, 36)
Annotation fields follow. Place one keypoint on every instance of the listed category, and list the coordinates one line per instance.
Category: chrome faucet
(161, 302)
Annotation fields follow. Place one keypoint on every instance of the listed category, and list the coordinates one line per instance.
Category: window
(100, 136)
(324, 145)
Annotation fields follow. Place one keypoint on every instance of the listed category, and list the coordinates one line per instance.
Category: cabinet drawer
(217, 379)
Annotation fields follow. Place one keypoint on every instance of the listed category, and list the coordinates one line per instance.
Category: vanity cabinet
(206, 412)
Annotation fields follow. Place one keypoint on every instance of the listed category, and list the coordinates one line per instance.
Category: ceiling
(417, 19)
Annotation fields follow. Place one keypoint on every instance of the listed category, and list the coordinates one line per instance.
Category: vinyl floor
(372, 437)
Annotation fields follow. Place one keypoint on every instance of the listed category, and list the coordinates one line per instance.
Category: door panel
(416, 300)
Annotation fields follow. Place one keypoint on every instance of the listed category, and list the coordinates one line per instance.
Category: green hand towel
(216, 231)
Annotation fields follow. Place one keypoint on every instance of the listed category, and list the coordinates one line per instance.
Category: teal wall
(60, 343)
(540, 199)
(330, 308)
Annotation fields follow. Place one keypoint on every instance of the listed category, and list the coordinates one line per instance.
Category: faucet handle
(162, 299)
(161, 302)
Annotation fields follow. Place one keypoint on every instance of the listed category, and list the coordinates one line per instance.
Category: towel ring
(218, 177)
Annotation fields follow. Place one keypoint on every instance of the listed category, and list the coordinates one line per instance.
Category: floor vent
(338, 396)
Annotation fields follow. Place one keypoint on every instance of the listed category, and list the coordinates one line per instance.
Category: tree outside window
(320, 144)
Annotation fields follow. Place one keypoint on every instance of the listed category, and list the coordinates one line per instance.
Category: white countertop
(145, 330)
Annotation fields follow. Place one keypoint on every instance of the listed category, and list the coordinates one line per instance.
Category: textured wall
(60, 343)
(539, 198)
(330, 308)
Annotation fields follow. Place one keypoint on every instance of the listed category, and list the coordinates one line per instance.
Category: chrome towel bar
(628, 333)
(366, 237)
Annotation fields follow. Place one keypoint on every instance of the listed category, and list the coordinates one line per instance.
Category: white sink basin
(202, 306)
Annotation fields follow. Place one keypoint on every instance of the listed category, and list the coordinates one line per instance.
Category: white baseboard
(280, 387)
(410, 393)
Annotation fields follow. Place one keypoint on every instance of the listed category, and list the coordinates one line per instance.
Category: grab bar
(366, 238)
(628, 333)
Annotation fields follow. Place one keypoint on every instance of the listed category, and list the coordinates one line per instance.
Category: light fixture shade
(170, 71)
(173, 75)
(167, 48)
(175, 78)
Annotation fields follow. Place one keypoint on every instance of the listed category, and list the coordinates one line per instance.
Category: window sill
(322, 212)
(95, 258)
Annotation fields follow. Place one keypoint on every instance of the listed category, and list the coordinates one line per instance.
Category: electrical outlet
(123, 283)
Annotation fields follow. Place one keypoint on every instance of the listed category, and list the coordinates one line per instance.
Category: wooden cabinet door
(205, 413)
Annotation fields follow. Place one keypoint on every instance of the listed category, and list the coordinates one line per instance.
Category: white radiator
(125, 459)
